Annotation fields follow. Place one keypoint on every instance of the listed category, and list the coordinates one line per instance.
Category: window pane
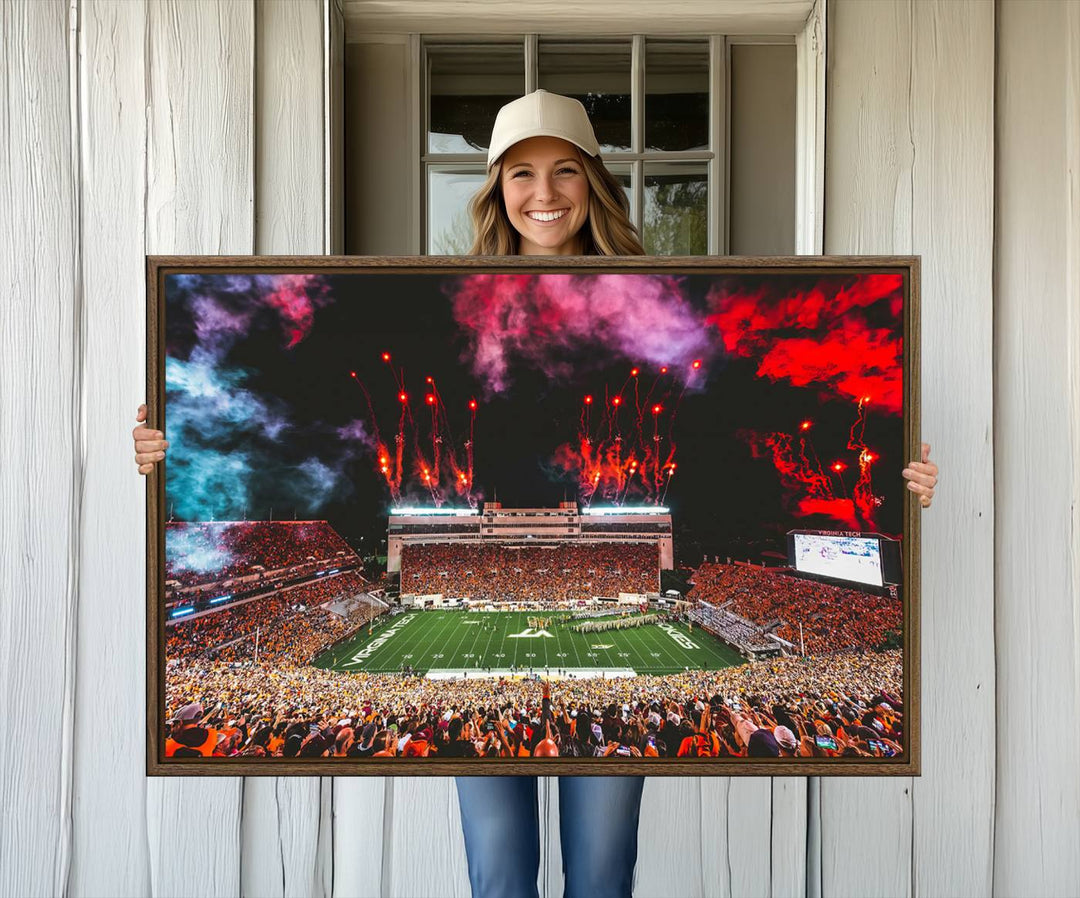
(676, 209)
(623, 174)
(466, 86)
(449, 191)
(676, 95)
(597, 74)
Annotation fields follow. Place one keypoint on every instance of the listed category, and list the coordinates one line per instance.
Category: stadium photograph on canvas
(598, 516)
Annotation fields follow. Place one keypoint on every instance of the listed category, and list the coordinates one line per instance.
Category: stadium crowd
(233, 548)
(849, 705)
(563, 572)
(223, 700)
(833, 618)
(291, 625)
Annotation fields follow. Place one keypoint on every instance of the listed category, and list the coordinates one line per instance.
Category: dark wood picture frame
(908, 763)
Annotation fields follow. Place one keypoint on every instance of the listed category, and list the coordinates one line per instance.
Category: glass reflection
(467, 84)
(676, 95)
(676, 209)
(597, 74)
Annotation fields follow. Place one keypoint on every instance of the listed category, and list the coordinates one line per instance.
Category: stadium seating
(292, 627)
(200, 553)
(497, 573)
(833, 618)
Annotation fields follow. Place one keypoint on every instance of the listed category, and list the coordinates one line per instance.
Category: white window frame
(809, 42)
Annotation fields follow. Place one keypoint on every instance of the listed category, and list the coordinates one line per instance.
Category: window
(659, 107)
(700, 130)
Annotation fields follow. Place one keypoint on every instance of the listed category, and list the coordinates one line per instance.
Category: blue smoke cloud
(225, 437)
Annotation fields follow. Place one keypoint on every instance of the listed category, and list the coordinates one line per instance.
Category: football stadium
(278, 644)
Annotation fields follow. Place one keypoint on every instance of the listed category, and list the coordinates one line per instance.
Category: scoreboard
(868, 559)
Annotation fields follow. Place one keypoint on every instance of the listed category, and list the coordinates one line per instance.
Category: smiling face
(546, 195)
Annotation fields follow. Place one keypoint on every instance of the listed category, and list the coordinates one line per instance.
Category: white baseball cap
(541, 114)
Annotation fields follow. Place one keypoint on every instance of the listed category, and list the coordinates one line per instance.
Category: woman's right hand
(150, 445)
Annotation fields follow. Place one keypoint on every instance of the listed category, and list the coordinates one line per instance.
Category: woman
(547, 193)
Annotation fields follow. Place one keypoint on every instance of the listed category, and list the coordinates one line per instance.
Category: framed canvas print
(565, 516)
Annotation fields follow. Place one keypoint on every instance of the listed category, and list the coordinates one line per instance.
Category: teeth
(546, 216)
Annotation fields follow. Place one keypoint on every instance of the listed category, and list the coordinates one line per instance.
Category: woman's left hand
(922, 477)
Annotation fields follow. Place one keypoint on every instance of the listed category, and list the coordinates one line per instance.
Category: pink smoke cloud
(356, 431)
(540, 318)
(296, 297)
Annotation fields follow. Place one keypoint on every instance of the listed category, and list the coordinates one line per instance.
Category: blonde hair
(607, 231)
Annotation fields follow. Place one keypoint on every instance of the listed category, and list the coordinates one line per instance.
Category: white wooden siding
(909, 151)
(200, 199)
(171, 126)
(1037, 452)
(41, 435)
(110, 788)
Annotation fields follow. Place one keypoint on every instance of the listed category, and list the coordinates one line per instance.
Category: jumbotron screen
(855, 558)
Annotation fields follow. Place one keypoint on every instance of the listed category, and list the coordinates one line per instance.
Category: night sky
(263, 410)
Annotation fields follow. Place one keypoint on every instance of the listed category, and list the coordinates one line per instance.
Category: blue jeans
(598, 823)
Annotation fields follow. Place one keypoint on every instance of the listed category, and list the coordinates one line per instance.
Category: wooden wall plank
(360, 810)
(282, 822)
(110, 852)
(423, 847)
(324, 856)
(866, 823)
(280, 829)
(200, 196)
(40, 444)
(715, 820)
(290, 161)
(193, 830)
(551, 872)
(736, 836)
(787, 849)
(952, 130)
(910, 169)
(750, 814)
(671, 838)
(1037, 449)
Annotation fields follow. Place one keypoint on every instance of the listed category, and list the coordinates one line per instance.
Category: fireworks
(425, 458)
(621, 458)
(863, 491)
(811, 490)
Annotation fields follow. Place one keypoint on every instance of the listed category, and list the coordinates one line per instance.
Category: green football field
(459, 641)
